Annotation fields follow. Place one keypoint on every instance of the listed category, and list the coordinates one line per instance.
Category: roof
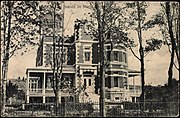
(133, 73)
(48, 69)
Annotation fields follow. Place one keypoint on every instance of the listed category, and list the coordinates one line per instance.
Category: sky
(156, 63)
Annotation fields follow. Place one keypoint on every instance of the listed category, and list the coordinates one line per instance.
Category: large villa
(80, 69)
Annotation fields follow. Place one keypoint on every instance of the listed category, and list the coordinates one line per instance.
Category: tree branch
(133, 52)
(146, 53)
(68, 22)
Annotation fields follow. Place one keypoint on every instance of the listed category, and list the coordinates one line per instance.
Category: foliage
(85, 106)
(114, 111)
(162, 93)
(167, 19)
(131, 20)
(12, 90)
(153, 44)
(22, 19)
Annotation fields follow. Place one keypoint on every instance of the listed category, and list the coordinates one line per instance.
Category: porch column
(27, 87)
(27, 99)
(119, 82)
(44, 82)
(127, 82)
(134, 84)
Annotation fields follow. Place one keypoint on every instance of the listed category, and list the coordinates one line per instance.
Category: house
(80, 70)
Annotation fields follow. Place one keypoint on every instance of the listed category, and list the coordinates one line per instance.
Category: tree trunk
(141, 51)
(6, 57)
(55, 86)
(169, 18)
(102, 76)
(57, 101)
(102, 69)
(58, 65)
(177, 46)
(3, 66)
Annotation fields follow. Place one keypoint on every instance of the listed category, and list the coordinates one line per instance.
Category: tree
(103, 24)
(51, 15)
(171, 10)
(173, 44)
(128, 17)
(51, 21)
(136, 20)
(168, 19)
(17, 16)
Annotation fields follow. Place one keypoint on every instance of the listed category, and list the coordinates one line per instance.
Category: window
(89, 82)
(67, 78)
(87, 56)
(71, 99)
(85, 82)
(115, 81)
(48, 83)
(88, 74)
(125, 82)
(33, 84)
(108, 96)
(116, 98)
(124, 57)
(133, 99)
(108, 47)
(108, 55)
(116, 72)
(108, 82)
(120, 57)
(87, 48)
(121, 82)
(115, 56)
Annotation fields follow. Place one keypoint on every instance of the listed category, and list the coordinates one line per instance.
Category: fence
(126, 109)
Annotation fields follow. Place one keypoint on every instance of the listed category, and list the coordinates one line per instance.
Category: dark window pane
(89, 82)
(115, 56)
(120, 57)
(85, 82)
(115, 81)
(87, 56)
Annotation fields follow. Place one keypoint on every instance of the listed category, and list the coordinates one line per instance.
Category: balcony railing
(49, 91)
(35, 91)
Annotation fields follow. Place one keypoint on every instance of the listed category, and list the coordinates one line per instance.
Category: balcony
(135, 90)
(47, 92)
(35, 92)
